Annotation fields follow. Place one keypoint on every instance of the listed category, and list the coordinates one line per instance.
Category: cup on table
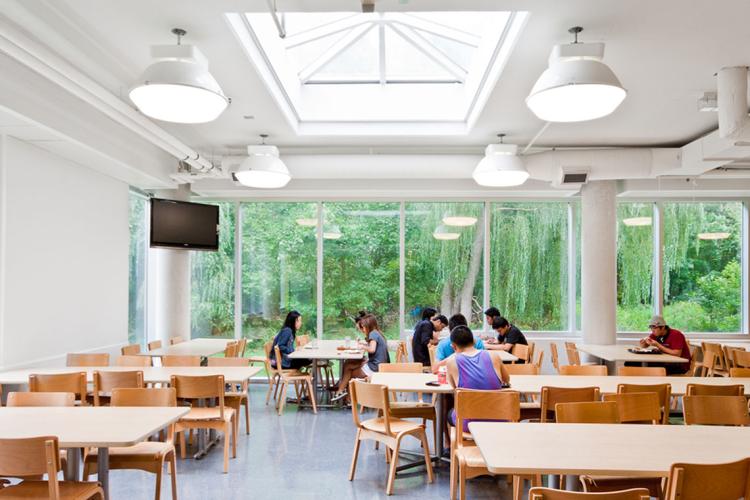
(347, 342)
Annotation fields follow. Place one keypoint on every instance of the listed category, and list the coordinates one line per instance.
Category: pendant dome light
(577, 86)
(178, 87)
(713, 236)
(262, 168)
(501, 166)
(459, 220)
(637, 221)
(444, 233)
(331, 232)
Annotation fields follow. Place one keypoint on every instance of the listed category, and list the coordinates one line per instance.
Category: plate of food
(644, 350)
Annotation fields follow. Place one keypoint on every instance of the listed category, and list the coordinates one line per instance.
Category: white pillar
(598, 262)
(169, 271)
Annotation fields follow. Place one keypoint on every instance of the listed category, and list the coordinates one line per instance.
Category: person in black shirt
(507, 335)
(423, 337)
(490, 314)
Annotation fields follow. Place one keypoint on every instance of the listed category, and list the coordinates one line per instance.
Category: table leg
(440, 423)
(102, 469)
(73, 465)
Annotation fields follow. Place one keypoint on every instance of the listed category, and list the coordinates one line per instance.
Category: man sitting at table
(668, 341)
(508, 335)
(445, 348)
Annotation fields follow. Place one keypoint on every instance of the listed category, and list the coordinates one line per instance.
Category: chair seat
(151, 450)
(235, 394)
(531, 405)
(452, 434)
(397, 425)
(600, 484)
(69, 490)
(207, 414)
(413, 409)
(471, 455)
(257, 359)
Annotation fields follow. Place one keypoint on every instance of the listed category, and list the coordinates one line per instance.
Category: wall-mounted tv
(180, 224)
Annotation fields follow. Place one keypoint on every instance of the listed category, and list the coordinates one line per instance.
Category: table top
(326, 349)
(151, 374)
(194, 347)
(604, 449)
(608, 383)
(78, 427)
(742, 345)
(410, 382)
(619, 352)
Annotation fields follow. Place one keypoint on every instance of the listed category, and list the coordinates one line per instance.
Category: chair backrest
(432, 349)
(107, 381)
(739, 372)
(229, 362)
(715, 390)
(704, 481)
(162, 396)
(232, 350)
(131, 350)
(374, 396)
(278, 358)
(539, 359)
(242, 347)
(637, 407)
(532, 350)
(593, 370)
(521, 352)
(176, 340)
(34, 456)
(200, 387)
(524, 369)
(133, 361)
(590, 412)
(41, 399)
(715, 410)
(153, 345)
(729, 354)
(553, 395)
(60, 382)
(402, 353)
(400, 368)
(741, 359)
(642, 371)
(485, 405)
(555, 356)
(663, 391)
(87, 359)
(717, 351)
(181, 361)
(573, 357)
(550, 494)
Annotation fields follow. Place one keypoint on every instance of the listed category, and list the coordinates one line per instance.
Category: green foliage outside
(137, 269)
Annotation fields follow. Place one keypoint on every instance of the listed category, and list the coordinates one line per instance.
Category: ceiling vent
(571, 177)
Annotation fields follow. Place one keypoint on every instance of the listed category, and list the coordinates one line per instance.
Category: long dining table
(617, 355)
(194, 347)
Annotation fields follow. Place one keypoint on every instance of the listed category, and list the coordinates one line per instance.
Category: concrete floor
(296, 456)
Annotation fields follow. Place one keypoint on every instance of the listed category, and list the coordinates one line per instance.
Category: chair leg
(392, 469)
(517, 487)
(182, 445)
(157, 492)
(173, 470)
(312, 396)
(454, 479)
(353, 466)
(226, 450)
(427, 458)
(247, 414)
(234, 436)
(282, 398)
(462, 479)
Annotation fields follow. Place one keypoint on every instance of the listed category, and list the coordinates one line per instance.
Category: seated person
(668, 341)
(508, 335)
(445, 349)
(439, 322)
(285, 339)
(376, 348)
(471, 368)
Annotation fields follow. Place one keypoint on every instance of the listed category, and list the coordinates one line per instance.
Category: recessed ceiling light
(637, 221)
(443, 233)
(713, 236)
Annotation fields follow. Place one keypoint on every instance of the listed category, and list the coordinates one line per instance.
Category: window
(528, 263)
(444, 260)
(137, 268)
(212, 286)
(360, 266)
(635, 258)
(279, 268)
(702, 272)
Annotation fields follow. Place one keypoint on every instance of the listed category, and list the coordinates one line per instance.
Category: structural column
(169, 276)
(599, 262)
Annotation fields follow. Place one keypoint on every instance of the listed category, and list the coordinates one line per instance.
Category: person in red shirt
(669, 341)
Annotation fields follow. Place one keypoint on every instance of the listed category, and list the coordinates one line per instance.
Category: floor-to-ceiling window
(137, 283)
(212, 287)
(635, 259)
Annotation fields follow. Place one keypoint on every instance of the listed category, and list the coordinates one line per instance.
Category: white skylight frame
(314, 104)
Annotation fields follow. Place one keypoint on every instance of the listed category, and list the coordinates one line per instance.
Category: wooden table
(194, 347)
(532, 384)
(617, 355)
(79, 427)
(604, 449)
(325, 350)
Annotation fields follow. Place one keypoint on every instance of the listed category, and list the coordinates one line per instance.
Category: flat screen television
(180, 224)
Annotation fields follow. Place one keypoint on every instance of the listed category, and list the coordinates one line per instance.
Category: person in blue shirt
(285, 339)
(445, 349)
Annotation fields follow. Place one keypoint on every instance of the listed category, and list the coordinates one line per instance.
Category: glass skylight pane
(403, 61)
(459, 53)
(302, 55)
(297, 22)
(356, 62)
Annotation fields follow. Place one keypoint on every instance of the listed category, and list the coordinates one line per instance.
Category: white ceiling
(665, 53)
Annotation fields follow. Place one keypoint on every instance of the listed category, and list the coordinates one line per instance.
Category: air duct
(732, 101)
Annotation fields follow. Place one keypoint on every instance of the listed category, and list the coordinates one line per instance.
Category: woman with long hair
(377, 352)
(285, 339)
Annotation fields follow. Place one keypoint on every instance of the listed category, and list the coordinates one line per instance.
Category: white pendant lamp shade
(444, 233)
(263, 169)
(500, 167)
(331, 233)
(637, 221)
(713, 236)
(305, 222)
(459, 220)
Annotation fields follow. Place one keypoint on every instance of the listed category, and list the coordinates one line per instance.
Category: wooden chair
(522, 352)
(242, 347)
(411, 409)
(131, 350)
(156, 344)
(105, 382)
(729, 355)
(637, 407)
(384, 429)
(60, 382)
(524, 369)
(239, 397)
(87, 359)
(714, 355)
(231, 350)
(642, 371)
(466, 459)
(663, 391)
(539, 359)
(709, 481)
(588, 412)
(270, 371)
(34, 457)
(532, 351)
(741, 359)
(402, 353)
(432, 349)
(551, 396)
(550, 494)
(715, 390)
(571, 350)
(715, 410)
(219, 417)
(181, 361)
(302, 383)
(176, 340)
(555, 356)
(133, 361)
(148, 456)
(739, 372)
(578, 369)
(41, 399)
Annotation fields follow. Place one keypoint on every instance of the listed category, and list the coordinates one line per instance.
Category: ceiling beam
(341, 45)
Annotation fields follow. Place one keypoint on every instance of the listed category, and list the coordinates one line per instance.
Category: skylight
(381, 73)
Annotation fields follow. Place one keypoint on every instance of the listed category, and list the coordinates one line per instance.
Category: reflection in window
(702, 272)
(212, 287)
(634, 266)
(137, 269)
(444, 248)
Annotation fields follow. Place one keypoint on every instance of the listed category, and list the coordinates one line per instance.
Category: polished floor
(296, 456)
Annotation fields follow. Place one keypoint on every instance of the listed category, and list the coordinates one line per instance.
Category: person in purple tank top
(470, 368)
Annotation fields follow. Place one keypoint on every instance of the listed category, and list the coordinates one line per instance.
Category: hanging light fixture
(713, 236)
(331, 233)
(577, 86)
(459, 220)
(178, 87)
(262, 168)
(307, 222)
(444, 233)
(637, 221)
(501, 166)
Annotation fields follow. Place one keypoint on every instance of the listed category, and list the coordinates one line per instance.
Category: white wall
(63, 257)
